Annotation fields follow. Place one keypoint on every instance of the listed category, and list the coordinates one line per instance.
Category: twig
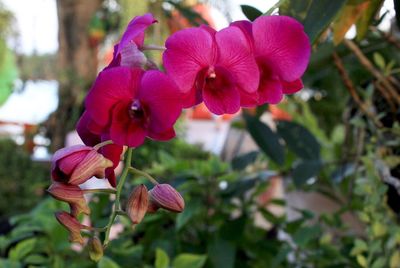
(350, 87)
(370, 67)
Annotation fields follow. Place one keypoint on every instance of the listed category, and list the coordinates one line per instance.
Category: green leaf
(305, 170)
(379, 60)
(367, 17)
(347, 17)
(362, 261)
(240, 162)
(299, 140)
(316, 15)
(183, 218)
(379, 263)
(250, 12)
(4, 263)
(306, 234)
(187, 260)
(265, 138)
(162, 259)
(106, 262)
(36, 259)
(22, 249)
(319, 15)
(222, 253)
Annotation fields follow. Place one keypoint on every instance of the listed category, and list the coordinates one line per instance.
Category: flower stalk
(117, 204)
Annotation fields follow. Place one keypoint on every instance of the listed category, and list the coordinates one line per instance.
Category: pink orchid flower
(91, 138)
(129, 50)
(216, 67)
(131, 104)
(282, 51)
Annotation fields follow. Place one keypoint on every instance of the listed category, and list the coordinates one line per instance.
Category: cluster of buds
(75, 165)
(72, 166)
(142, 201)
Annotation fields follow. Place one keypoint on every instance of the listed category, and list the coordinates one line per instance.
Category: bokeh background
(311, 182)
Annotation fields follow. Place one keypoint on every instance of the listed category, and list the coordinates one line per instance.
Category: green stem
(144, 174)
(100, 191)
(117, 205)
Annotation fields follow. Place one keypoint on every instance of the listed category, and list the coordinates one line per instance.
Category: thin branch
(352, 90)
(370, 67)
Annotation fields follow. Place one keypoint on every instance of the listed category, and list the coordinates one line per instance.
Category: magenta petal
(248, 100)
(135, 31)
(282, 43)
(292, 87)
(112, 152)
(163, 136)
(125, 131)
(188, 52)
(112, 86)
(68, 163)
(82, 127)
(246, 27)
(59, 154)
(162, 99)
(236, 55)
(270, 91)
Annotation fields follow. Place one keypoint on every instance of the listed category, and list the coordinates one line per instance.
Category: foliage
(22, 181)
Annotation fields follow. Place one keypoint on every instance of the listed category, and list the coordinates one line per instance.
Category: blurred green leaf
(22, 249)
(106, 262)
(250, 12)
(265, 138)
(304, 170)
(367, 17)
(316, 15)
(162, 259)
(190, 210)
(299, 140)
(4, 263)
(222, 253)
(240, 162)
(187, 260)
(306, 234)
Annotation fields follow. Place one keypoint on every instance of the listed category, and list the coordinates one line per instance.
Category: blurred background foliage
(342, 142)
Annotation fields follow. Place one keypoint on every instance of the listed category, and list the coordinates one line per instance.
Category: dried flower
(72, 225)
(95, 248)
(71, 194)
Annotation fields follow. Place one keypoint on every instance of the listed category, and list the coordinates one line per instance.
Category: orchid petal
(235, 55)
(283, 44)
(188, 52)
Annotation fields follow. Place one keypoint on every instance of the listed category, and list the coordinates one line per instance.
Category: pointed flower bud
(137, 204)
(165, 196)
(71, 194)
(72, 225)
(76, 164)
(95, 248)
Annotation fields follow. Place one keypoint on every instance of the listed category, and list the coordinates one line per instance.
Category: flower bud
(95, 248)
(72, 225)
(71, 194)
(76, 164)
(165, 196)
(137, 204)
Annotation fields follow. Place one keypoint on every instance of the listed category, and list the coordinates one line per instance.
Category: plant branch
(350, 87)
(370, 67)
(117, 205)
(144, 174)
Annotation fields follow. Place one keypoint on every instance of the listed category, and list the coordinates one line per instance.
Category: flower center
(136, 110)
